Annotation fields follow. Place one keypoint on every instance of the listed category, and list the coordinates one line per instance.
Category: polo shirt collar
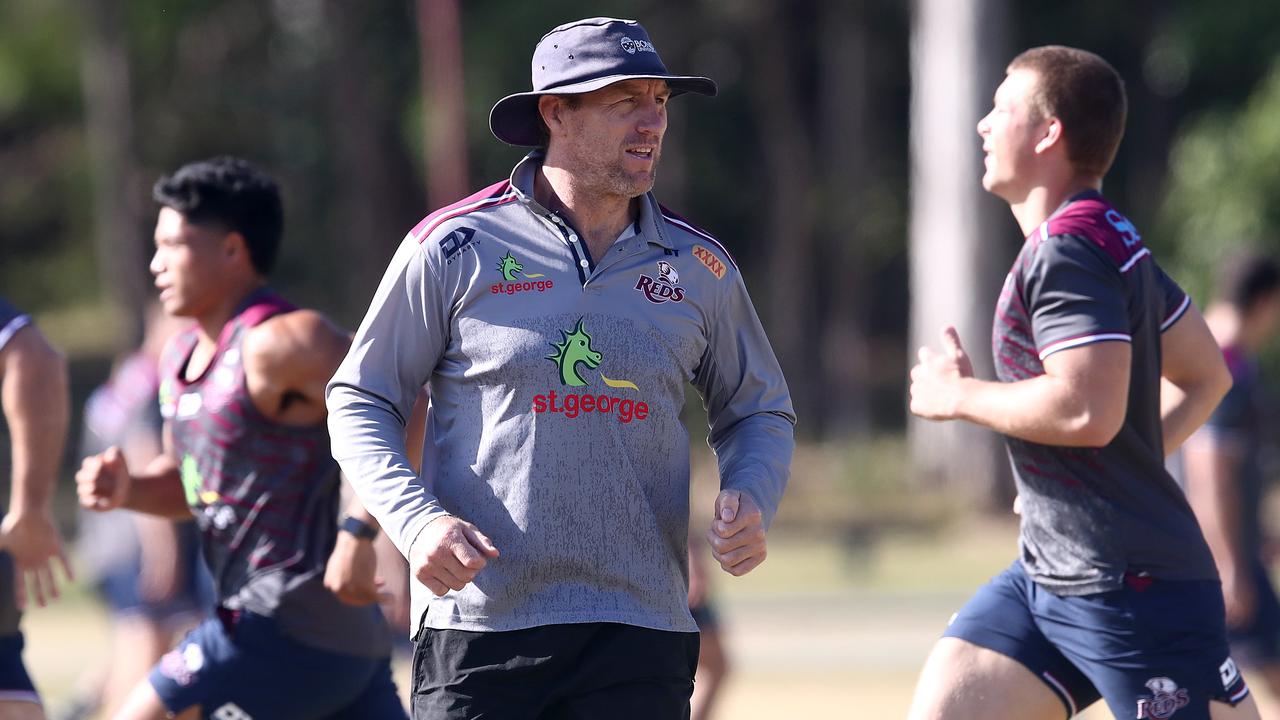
(648, 227)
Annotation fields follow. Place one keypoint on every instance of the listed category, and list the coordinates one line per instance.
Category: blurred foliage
(1224, 181)
(327, 95)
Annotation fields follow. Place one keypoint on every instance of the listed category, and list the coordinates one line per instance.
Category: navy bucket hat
(579, 57)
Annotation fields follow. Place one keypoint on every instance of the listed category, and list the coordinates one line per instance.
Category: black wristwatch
(357, 527)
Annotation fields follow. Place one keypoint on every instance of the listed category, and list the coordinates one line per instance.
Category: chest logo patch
(664, 288)
(516, 279)
(573, 356)
(709, 261)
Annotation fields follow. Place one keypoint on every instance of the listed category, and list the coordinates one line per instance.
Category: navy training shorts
(1151, 649)
(249, 670)
(15, 683)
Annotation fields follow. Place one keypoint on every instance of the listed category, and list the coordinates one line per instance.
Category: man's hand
(737, 533)
(936, 380)
(351, 573)
(34, 542)
(102, 482)
(449, 553)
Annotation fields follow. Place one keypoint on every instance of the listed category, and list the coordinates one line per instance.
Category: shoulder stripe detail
(1177, 313)
(1134, 260)
(1082, 340)
(681, 222)
(16, 324)
(1239, 694)
(495, 194)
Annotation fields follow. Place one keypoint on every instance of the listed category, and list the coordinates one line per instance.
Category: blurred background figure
(33, 393)
(1223, 469)
(145, 569)
(713, 659)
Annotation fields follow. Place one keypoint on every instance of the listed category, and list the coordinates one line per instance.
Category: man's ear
(235, 249)
(551, 108)
(1052, 135)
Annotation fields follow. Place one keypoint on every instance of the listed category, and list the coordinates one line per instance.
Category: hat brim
(514, 118)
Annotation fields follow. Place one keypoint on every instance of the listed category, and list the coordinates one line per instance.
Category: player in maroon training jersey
(296, 633)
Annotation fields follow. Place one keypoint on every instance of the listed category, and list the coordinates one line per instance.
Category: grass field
(819, 631)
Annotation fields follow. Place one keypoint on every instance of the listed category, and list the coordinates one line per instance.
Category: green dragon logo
(573, 349)
(509, 267)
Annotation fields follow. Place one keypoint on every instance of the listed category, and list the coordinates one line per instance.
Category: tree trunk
(846, 118)
(376, 199)
(786, 144)
(957, 257)
(444, 108)
(118, 243)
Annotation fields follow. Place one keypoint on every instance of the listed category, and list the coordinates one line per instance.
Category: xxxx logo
(512, 270)
(709, 261)
(573, 355)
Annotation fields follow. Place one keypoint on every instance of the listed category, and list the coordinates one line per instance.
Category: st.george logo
(512, 270)
(575, 357)
(664, 288)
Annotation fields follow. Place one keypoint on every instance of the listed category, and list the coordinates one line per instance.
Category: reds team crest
(1166, 699)
(664, 288)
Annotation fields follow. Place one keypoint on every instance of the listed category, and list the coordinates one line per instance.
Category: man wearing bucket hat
(557, 317)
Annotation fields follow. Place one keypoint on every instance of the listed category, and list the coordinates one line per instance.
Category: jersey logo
(182, 664)
(192, 482)
(575, 349)
(665, 287)
(1229, 673)
(189, 404)
(456, 242)
(1167, 698)
(709, 261)
(512, 270)
(230, 711)
(573, 352)
(1124, 227)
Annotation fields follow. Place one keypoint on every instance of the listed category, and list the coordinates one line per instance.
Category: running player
(1222, 463)
(1115, 592)
(33, 390)
(247, 452)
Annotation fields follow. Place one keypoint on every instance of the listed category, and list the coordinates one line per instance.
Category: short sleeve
(1075, 296)
(11, 321)
(1176, 300)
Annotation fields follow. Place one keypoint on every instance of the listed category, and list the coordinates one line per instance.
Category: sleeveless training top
(265, 495)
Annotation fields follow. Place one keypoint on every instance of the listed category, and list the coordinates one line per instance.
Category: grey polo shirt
(556, 384)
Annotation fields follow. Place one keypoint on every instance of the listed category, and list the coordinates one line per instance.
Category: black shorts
(554, 672)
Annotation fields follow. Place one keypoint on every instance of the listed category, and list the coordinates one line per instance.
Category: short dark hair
(1086, 94)
(231, 193)
(1247, 277)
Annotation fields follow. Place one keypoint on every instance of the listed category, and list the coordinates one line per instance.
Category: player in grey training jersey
(1103, 366)
(558, 317)
(33, 389)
